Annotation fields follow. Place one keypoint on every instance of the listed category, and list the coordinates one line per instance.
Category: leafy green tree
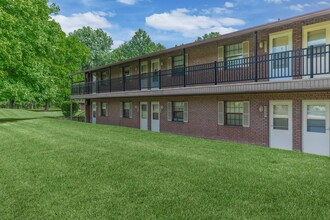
(207, 36)
(98, 43)
(33, 53)
(140, 44)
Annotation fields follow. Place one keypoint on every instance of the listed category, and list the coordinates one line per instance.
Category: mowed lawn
(57, 169)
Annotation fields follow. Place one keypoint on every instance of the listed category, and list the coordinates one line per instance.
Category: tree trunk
(46, 106)
(11, 103)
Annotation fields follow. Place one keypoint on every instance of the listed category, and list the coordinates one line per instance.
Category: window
(316, 118)
(178, 65)
(234, 113)
(177, 111)
(316, 38)
(104, 75)
(103, 109)
(280, 56)
(234, 56)
(234, 52)
(281, 117)
(127, 109)
(127, 74)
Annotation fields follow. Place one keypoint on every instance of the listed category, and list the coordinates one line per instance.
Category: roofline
(221, 37)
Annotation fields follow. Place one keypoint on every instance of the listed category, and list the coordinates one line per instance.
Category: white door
(155, 67)
(94, 83)
(94, 111)
(144, 115)
(144, 75)
(280, 64)
(316, 127)
(155, 116)
(320, 60)
(280, 132)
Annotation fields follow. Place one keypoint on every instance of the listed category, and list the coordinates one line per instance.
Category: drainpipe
(256, 56)
(122, 70)
(139, 74)
(184, 67)
(110, 78)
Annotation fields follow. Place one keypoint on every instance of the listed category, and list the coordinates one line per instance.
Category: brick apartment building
(267, 85)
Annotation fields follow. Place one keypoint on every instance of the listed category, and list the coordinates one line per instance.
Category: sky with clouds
(173, 22)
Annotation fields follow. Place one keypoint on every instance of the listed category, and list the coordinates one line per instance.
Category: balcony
(312, 62)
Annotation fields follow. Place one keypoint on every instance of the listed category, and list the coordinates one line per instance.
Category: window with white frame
(177, 111)
(127, 73)
(178, 65)
(104, 106)
(234, 51)
(234, 113)
(127, 109)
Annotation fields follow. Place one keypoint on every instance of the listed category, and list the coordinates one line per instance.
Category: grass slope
(56, 169)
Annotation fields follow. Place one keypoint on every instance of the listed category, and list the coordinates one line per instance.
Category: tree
(98, 43)
(207, 36)
(140, 44)
(33, 52)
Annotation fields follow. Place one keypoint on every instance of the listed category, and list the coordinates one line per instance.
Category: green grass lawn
(57, 169)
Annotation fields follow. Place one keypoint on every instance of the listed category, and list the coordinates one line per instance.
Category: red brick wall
(203, 116)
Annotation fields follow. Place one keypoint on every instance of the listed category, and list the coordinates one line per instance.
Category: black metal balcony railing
(294, 64)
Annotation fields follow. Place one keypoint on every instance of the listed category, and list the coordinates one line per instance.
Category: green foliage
(98, 43)
(140, 44)
(207, 36)
(65, 107)
(35, 55)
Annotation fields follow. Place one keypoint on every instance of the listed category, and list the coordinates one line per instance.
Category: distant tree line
(36, 56)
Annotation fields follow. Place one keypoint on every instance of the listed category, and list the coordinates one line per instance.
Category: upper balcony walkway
(294, 65)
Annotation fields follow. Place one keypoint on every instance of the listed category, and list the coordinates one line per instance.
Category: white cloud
(127, 2)
(325, 3)
(229, 5)
(272, 20)
(276, 1)
(117, 43)
(215, 10)
(189, 25)
(298, 7)
(79, 20)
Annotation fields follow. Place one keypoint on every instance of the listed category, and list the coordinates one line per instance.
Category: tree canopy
(98, 42)
(34, 54)
(207, 36)
(140, 44)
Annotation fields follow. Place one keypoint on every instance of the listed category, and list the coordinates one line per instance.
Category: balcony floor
(316, 84)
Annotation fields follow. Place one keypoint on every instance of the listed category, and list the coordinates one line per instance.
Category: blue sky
(173, 22)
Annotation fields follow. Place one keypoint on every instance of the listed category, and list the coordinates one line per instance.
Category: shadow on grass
(11, 120)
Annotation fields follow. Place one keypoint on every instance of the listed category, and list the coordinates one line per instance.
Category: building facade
(267, 85)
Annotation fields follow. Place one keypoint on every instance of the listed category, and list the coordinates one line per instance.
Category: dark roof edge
(221, 37)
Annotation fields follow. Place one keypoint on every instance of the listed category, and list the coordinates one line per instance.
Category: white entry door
(318, 36)
(94, 111)
(155, 67)
(144, 115)
(280, 64)
(316, 127)
(280, 132)
(94, 83)
(144, 75)
(155, 116)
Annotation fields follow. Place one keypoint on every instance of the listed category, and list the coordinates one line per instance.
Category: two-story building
(268, 85)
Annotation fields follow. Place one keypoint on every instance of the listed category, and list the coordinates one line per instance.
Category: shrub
(65, 107)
